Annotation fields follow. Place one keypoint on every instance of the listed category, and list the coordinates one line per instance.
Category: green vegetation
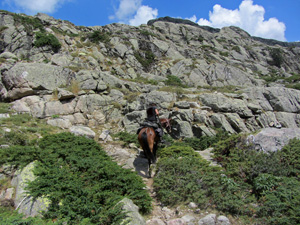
(204, 142)
(258, 187)
(79, 179)
(224, 89)
(174, 81)
(127, 138)
(144, 80)
(145, 58)
(82, 183)
(225, 54)
(65, 33)
(289, 82)
(277, 57)
(236, 48)
(24, 128)
(12, 217)
(2, 28)
(30, 23)
(45, 39)
(147, 33)
(4, 107)
(98, 36)
(200, 38)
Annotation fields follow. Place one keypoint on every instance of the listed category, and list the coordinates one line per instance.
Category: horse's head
(166, 124)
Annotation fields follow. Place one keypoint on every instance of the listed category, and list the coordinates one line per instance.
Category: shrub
(289, 158)
(44, 39)
(277, 57)
(236, 48)
(18, 156)
(189, 178)
(98, 36)
(30, 23)
(294, 86)
(80, 180)
(147, 33)
(176, 151)
(145, 58)
(225, 54)
(173, 81)
(281, 204)
(205, 142)
(179, 180)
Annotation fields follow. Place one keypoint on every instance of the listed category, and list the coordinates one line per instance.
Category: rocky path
(133, 158)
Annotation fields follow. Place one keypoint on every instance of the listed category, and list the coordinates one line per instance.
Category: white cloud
(143, 15)
(248, 17)
(34, 6)
(127, 9)
(193, 18)
(133, 12)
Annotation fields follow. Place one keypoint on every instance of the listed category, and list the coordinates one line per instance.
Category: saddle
(147, 123)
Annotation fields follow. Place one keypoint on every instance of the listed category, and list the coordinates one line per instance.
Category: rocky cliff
(104, 76)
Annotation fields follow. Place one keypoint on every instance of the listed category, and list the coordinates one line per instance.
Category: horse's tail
(148, 152)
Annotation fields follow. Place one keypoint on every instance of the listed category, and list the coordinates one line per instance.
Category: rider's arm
(156, 112)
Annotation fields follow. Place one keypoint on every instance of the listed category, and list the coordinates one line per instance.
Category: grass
(23, 127)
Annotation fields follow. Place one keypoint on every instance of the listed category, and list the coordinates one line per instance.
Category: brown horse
(149, 140)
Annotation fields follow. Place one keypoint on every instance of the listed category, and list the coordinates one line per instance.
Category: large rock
(92, 102)
(283, 99)
(220, 103)
(162, 99)
(273, 139)
(34, 76)
(132, 120)
(275, 98)
(90, 80)
(132, 212)
(182, 129)
(25, 203)
(82, 131)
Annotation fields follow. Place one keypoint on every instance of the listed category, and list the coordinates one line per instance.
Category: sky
(272, 19)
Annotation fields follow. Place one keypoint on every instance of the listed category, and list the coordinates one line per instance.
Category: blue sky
(275, 19)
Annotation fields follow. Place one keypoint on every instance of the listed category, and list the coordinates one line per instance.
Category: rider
(153, 117)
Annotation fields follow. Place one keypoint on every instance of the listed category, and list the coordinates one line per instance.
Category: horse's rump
(147, 140)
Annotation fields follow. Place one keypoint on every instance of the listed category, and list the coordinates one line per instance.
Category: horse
(149, 140)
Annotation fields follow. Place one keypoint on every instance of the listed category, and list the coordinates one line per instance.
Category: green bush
(204, 142)
(145, 58)
(98, 36)
(80, 180)
(179, 180)
(176, 151)
(30, 23)
(189, 178)
(281, 204)
(294, 86)
(263, 187)
(18, 156)
(44, 39)
(173, 81)
(277, 57)
(289, 158)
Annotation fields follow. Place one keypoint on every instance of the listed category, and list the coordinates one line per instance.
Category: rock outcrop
(109, 74)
